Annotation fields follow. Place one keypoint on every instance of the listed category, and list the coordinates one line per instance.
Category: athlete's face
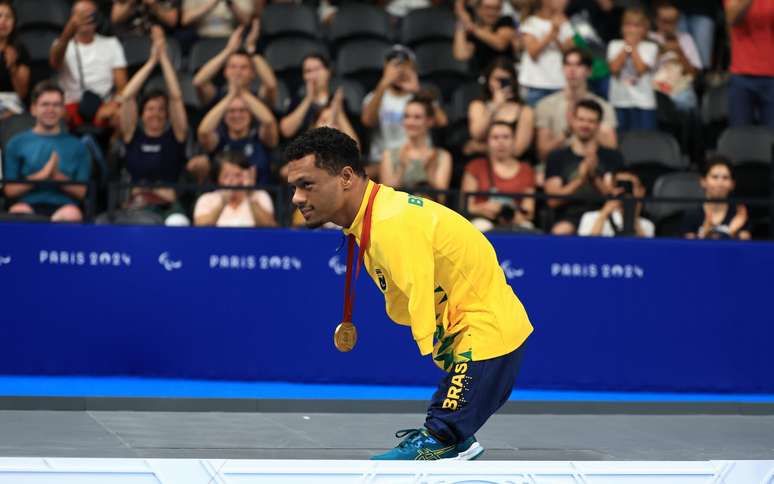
(318, 194)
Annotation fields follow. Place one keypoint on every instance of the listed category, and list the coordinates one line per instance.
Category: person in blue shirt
(47, 153)
(241, 122)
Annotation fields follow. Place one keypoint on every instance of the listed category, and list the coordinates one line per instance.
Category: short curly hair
(332, 149)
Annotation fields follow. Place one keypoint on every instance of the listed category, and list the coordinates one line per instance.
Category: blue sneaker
(418, 444)
(469, 449)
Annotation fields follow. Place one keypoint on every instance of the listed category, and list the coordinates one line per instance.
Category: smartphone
(505, 82)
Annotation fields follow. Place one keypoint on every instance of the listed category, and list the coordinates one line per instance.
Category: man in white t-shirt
(87, 61)
(216, 18)
(383, 107)
(235, 208)
(610, 221)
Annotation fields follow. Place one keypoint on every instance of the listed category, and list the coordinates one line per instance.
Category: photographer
(583, 169)
(235, 208)
(500, 102)
(500, 172)
(619, 217)
(383, 108)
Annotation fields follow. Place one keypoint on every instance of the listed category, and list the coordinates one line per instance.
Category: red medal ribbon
(365, 238)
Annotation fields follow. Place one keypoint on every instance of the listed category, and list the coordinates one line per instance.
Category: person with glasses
(47, 153)
(241, 122)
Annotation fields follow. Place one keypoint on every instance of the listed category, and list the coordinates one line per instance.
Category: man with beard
(439, 275)
(582, 169)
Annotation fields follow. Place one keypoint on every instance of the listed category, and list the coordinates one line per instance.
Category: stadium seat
(427, 25)
(750, 150)
(363, 61)
(13, 125)
(353, 95)
(357, 22)
(437, 65)
(651, 154)
(38, 44)
(714, 113)
(45, 14)
(666, 215)
(137, 51)
(204, 50)
(289, 20)
(283, 99)
(285, 55)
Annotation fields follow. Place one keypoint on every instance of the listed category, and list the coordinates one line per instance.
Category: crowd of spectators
(528, 104)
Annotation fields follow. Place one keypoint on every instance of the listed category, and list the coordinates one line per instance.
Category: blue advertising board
(261, 305)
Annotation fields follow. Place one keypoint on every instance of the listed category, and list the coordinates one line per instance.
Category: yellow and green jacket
(440, 276)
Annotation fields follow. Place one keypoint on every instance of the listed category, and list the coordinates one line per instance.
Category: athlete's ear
(347, 175)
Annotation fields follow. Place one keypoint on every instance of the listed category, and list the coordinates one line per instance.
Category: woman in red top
(501, 173)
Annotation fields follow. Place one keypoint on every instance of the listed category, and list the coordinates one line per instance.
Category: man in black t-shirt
(582, 169)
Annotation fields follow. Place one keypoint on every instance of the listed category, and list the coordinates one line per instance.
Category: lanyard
(365, 238)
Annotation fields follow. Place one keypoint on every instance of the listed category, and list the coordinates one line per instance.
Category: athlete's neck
(352, 205)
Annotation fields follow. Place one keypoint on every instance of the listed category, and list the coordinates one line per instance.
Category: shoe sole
(472, 453)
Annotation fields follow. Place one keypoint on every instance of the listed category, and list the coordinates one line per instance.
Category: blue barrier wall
(609, 314)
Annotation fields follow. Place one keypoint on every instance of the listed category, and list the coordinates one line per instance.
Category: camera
(506, 213)
(626, 185)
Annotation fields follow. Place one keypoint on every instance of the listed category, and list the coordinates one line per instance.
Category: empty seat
(204, 50)
(714, 113)
(651, 154)
(48, 14)
(353, 95)
(427, 25)
(359, 21)
(668, 215)
(750, 150)
(137, 50)
(14, 125)
(461, 99)
(363, 61)
(747, 144)
(38, 44)
(437, 65)
(289, 20)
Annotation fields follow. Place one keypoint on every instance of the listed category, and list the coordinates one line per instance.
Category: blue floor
(144, 387)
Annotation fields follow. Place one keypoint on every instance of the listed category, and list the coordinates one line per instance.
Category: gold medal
(345, 337)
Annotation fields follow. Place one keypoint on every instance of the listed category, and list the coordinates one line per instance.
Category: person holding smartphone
(90, 67)
(500, 101)
(610, 220)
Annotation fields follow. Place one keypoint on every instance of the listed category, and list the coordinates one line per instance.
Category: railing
(763, 208)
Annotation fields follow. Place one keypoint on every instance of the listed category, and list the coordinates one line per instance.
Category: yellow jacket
(440, 276)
